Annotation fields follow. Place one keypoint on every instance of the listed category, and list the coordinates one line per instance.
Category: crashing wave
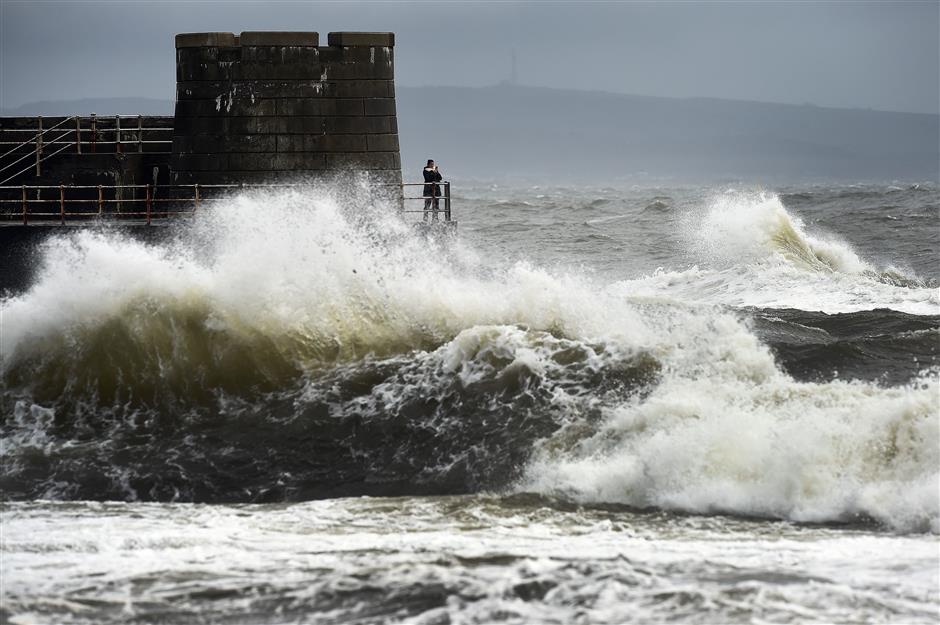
(297, 345)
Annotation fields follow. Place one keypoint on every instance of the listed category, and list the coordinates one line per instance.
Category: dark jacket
(432, 190)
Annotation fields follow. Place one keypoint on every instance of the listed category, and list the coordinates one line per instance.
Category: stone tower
(268, 107)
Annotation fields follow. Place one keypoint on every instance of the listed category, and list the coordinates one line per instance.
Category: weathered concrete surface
(279, 38)
(269, 106)
(98, 163)
(361, 39)
(195, 40)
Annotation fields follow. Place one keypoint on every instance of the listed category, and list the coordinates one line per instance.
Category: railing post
(100, 200)
(447, 201)
(140, 133)
(94, 133)
(78, 135)
(196, 202)
(148, 204)
(39, 146)
(62, 204)
(117, 133)
(25, 218)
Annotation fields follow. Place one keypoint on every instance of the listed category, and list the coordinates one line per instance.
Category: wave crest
(295, 345)
(745, 227)
(806, 452)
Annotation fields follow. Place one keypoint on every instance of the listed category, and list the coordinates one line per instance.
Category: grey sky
(845, 54)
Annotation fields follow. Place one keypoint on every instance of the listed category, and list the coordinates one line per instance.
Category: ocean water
(594, 405)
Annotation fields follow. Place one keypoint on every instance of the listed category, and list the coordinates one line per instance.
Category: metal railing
(62, 204)
(431, 194)
(85, 135)
(146, 203)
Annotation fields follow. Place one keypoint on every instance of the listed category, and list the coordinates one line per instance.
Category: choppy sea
(594, 405)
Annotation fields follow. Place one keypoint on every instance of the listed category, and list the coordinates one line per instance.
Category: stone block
(289, 107)
(382, 143)
(223, 108)
(201, 90)
(335, 125)
(209, 55)
(277, 161)
(279, 38)
(362, 70)
(198, 40)
(297, 125)
(256, 70)
(187, 124)
(217, 125)
(251, 162)
(235, 181)
(321, 143)
(207, 90)
(363, 160)
(195, 56)
(364, 125)
(357, 89)
(210, 70)
(224, 143)
(280, 54)
(379, 106)
(201, 162)
(277, 63)
(345, 56)
(180, 145)
(359, 39)
(293, 143)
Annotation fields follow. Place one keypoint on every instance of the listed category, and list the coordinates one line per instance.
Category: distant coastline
(595, 136)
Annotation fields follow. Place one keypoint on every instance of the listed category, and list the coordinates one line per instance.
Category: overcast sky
(880, 55)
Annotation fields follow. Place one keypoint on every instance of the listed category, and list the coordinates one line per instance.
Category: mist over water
(625, 355)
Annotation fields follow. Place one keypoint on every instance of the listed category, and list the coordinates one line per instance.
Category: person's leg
(435, 208)
(427, 205)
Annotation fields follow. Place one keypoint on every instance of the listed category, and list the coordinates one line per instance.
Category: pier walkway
(84, 205)
(33, 146)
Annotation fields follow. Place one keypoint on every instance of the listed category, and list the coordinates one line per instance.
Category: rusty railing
(146, 203)
(86, 135)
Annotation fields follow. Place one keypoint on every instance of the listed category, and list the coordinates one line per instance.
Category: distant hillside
(99, 106)
(592, 136)
(507, 131)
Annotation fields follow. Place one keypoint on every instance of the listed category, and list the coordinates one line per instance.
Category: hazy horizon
(856, 55)
(23, 109)
(530, 133)
(595, 91)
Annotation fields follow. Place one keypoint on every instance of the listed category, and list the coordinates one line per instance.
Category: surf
(747, 249)
(291, 346)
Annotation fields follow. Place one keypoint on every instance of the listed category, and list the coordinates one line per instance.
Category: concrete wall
(277, 106)
(99, 161)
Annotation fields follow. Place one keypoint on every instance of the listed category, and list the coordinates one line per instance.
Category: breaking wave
(748, 228)
(304, 345)
(765, 447)
(740, 227)
(748, 249)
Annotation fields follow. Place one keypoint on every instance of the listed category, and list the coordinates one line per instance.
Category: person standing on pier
(431, 191)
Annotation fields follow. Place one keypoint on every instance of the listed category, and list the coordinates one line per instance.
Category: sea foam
(749, 249)
(297, 282)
